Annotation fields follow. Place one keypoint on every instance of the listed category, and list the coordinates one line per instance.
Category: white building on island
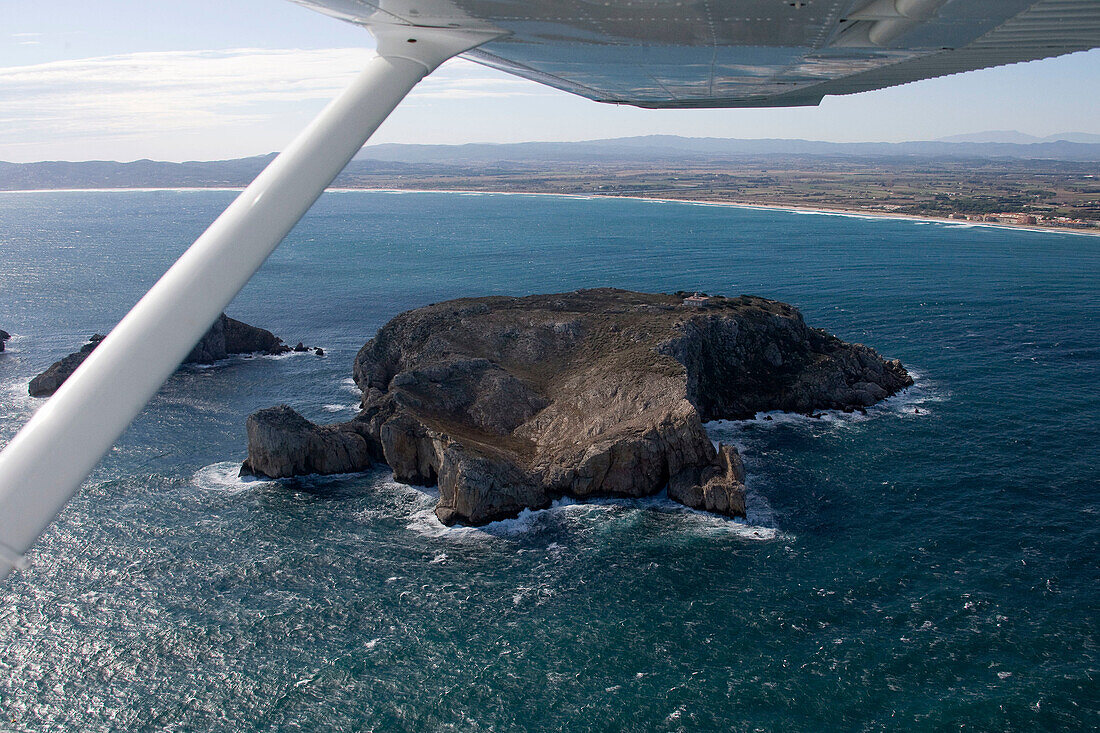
(696, 300)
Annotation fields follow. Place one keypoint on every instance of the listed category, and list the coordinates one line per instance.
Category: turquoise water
(930, 566)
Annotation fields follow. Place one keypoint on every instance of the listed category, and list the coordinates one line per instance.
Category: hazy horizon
(987, 137)
(207, 81)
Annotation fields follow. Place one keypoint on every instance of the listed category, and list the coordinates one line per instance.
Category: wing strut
(55, 451)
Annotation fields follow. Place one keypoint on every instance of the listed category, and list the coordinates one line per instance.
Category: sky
(214, 79)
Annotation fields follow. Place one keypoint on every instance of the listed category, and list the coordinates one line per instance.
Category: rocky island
(227, 336)
(4, 336)
(508, 403)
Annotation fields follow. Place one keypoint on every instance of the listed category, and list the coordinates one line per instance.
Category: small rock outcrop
(289, 445)
(226, 337)
(46, 383)
(229, 336)
(509, 403)
(4, 336)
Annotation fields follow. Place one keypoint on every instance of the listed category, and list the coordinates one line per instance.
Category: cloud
(196, 92)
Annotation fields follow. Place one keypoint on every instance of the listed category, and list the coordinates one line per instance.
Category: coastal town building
(696, 300)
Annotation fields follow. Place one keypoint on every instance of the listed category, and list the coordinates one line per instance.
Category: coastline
(792, 208)
(863, 214)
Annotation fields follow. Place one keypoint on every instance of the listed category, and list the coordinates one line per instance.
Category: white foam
(879, 216)
(913, 401)
(239, 359)
(21, 399)
(757, 526)
(845, 214)
(758, 510)
(285, 355)
(416, 505)
(425, 523)
(224, 477)
(599, 511)
(340, 408)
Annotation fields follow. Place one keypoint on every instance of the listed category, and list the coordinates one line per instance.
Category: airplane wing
(743, 53)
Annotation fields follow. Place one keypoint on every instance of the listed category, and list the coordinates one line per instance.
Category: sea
(932, 565)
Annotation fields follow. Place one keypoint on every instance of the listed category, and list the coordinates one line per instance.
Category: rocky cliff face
(227, 336)
(4, 336)
(286, 444)
(46, 383)
(509, 403)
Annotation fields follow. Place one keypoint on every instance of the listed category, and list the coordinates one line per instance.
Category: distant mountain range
(394, 159)
(665, 147)
(1020, 138)
(134, 174)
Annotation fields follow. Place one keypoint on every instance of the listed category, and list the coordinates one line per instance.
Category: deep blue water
(932, 566)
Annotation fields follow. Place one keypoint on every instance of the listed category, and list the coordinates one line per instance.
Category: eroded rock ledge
(509, 403)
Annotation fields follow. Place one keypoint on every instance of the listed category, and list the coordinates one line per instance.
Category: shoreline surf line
(790, 208)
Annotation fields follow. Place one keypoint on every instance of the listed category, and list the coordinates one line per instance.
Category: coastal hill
(1043, 182)
(663, 148)
(397, 159)
(508, 403)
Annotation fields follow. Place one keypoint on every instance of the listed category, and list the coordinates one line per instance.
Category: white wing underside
(743, 53)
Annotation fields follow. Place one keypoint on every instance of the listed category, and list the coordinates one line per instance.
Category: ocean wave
(339, 408)
(233, 359)
(20, 399)
(224, 477)
(911, 402)
(416, 507)
(279, 357)
(845, 214)
(758, 510)
(605, 512)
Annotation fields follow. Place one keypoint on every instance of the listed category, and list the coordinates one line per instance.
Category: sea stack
(227, 336)
(4, 336)
(509, 403)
